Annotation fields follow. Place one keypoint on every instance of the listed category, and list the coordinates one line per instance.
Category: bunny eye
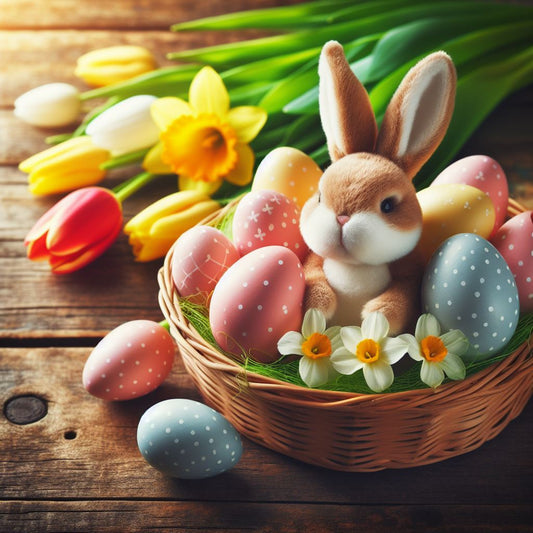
(388, 205)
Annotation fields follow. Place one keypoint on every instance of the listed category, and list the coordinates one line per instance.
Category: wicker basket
(348, 431)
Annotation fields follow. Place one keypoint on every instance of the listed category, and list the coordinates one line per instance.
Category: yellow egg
(453, 208)
(290, 172)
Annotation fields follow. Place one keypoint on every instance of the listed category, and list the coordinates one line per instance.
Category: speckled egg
(514, 240)
(256, 301)
(130, 361)
(200, 256)
(484, 173)
(290, 172)
(267, 218)
(468, 286)
(187, 439)
(449, 209)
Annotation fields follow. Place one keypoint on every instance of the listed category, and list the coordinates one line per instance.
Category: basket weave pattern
(350, 431)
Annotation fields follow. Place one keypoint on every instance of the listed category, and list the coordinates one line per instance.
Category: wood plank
(150, 516)
(123, 14)
(41, 461)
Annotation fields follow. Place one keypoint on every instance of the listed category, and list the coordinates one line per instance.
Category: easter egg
(267, 218)
(484, 173)
(514, 240)
(290, 172)
(468, 286)
(449, 209)
(130, 361)
(256, 301)
(186, 439)
(200, 256)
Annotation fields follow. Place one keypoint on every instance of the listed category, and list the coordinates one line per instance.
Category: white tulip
(50, 106)
(125, 127)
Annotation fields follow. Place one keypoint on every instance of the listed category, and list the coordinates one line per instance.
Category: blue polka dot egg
(187, 439)
(469, 286)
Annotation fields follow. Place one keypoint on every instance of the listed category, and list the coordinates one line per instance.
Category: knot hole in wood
(25, 409)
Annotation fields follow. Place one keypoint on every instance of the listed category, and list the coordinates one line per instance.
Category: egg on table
(514, 240)
(468, 286)
(130, 361)
(200, 256)
(266, 218)
(449, 209)
(484, 173)
(290, 172)
(256, 301)
(187, 439)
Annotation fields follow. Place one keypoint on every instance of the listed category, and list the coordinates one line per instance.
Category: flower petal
(291, 343)
(242, 173)
(431, 374)
(153, 163)
(345, 362)
(427, 325)
(334, 335)
(453, 366)
(208, 94)
(413, 347)
(393, 349)
(455, 341)
(208, 188)
(314, 322)
(379, 376)
(314, 372)
(167, 109)
(247, 122)
(375, 326)
(351, 336)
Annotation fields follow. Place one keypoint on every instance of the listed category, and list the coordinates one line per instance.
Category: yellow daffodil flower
(440, 354)
(203, 140)
(368, 348)
(315, 344)
(67, 166)
(153, 231)
(106, 66)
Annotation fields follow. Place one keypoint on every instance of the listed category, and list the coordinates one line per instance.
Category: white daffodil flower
(440, 354)
(315, 344)
(49, 106)
(126, 126)
(368, 348)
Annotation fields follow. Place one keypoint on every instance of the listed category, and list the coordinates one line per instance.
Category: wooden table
(77, 468)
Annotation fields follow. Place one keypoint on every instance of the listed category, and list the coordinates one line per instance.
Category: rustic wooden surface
(77, 468)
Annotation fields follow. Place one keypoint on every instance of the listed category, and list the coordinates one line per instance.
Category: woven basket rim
(224, 363)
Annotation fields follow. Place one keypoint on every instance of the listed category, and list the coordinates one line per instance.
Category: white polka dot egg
(130, 361)
(187, 439)
(469, 286)
(289, 171)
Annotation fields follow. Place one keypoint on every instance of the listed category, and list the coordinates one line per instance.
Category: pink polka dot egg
(130, 361)
(267, 218)
(200, 256)
(514, 241)
(256, 301)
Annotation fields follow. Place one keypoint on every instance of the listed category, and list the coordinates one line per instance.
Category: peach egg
(289, 171)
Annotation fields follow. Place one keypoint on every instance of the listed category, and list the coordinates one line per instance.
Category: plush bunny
(365, 221)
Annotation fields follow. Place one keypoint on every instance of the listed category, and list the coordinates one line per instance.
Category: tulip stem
(125, 159)
(131, 186)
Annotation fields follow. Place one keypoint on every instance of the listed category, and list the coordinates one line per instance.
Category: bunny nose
(342, 219)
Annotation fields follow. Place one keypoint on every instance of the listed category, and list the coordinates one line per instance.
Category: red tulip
(76, 230)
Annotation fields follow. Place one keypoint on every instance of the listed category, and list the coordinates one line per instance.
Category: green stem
(125, 159)
(131, 186)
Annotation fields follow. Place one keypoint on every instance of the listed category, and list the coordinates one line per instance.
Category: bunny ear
(345, 111)
(419, 113)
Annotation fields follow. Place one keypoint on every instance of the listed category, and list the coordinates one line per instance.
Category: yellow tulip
(67, 166)
(106, 66)
(153, 231)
